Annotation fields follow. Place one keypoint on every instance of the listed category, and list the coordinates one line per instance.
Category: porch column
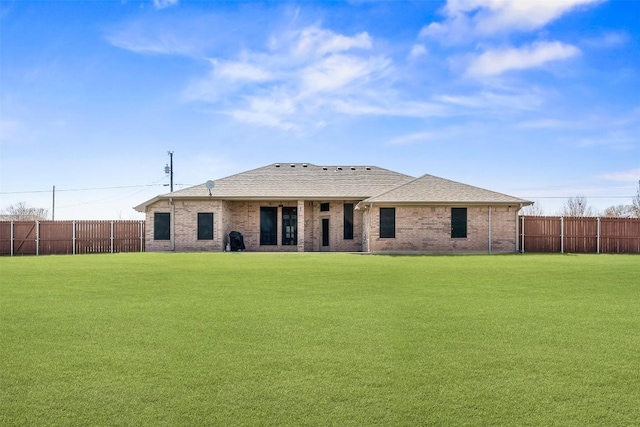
(300, 225)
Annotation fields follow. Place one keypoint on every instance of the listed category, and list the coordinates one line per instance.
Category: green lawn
(320, 339)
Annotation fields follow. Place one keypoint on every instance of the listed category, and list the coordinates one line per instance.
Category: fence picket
(70, 237)
(536, 234)
(580, 234)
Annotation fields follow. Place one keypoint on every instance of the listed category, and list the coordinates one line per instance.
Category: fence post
(141, 228)
(489, 243)
(73, 237)
(598, 238)
(522, 248)
(37, 237)
(12, 238)
(561, 234)
(111, 246)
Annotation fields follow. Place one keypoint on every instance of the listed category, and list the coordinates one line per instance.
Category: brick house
(300, 207)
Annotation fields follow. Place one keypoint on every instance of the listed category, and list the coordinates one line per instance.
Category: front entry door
(325, 235)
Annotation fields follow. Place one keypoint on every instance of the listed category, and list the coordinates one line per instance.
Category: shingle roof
(296, 181)
(301, 180)
(432, 189)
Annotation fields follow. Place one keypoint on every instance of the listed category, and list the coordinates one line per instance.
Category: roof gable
(432, 189)
(300, 180)
(371, 184)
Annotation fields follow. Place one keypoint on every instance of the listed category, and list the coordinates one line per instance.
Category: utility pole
(53, 205)
(169, 169)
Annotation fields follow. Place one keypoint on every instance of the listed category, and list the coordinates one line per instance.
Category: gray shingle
(301, 182)
(432, 189)
(280, 181)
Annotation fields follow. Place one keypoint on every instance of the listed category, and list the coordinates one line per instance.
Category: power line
(116, 197)
(569, 197)
(82, 189)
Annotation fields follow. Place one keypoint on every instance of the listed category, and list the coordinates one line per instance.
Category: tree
(22, 212)
(619, 211)
(533, 210)
(577, 206)
(626, 211)
(635, 203)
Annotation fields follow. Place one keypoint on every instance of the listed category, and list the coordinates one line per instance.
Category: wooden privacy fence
(70, 237)
(580, 234)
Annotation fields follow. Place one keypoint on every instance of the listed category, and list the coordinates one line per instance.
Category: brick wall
(428, 229)
(152, 245)
(335, 215)
(246, 219)
(418, 228)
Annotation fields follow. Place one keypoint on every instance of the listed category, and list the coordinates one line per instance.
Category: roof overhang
(361, 205)
(518, 203)
(142, 207)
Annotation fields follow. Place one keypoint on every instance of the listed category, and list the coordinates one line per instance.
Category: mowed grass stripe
(319, 339)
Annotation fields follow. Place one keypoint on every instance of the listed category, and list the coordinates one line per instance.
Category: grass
(319, 339)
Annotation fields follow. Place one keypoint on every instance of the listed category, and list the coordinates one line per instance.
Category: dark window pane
(387, 222)
(162, 226)
(268, 226)
(290, 226)
(348, 221)
(324, 207)
(325, 232)
(205, 226)
(458, 222)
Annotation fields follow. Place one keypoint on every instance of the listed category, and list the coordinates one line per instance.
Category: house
(301, 207)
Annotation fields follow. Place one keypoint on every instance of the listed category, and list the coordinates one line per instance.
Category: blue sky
(536, 99)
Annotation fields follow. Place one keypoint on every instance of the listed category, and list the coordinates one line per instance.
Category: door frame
(325, 234)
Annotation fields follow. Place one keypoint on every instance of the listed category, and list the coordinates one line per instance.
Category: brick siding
(424, 229)
(428, 229)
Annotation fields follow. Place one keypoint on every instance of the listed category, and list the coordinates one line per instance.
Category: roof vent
(304, 165)
(324, 168)
(293, 165)
(277, 165)
(352, 168)
(338, 168)
(368, 168)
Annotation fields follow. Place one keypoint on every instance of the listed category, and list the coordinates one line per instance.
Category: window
(348, 221)
(162, 226)
(205, 226)
(290, 226)
(268, 226)
(325, 232)
(324, 207)
(387, 222)
(458, 222)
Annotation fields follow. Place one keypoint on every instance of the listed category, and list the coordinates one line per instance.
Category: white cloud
(613, 138)
(236, 71)
(226, 77)
(295, 81)
(466, 19)
(267, 111)
(314, 41)
(623, 176)
(136, 39)
(417, 50)
(489, 100)
(338, 71)
(608, 40)
(8, 129)
(412, 138)
(494, 62)
(162, 4)
(391, 108)
(549, 124)
(143, 46)
(188, 33)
